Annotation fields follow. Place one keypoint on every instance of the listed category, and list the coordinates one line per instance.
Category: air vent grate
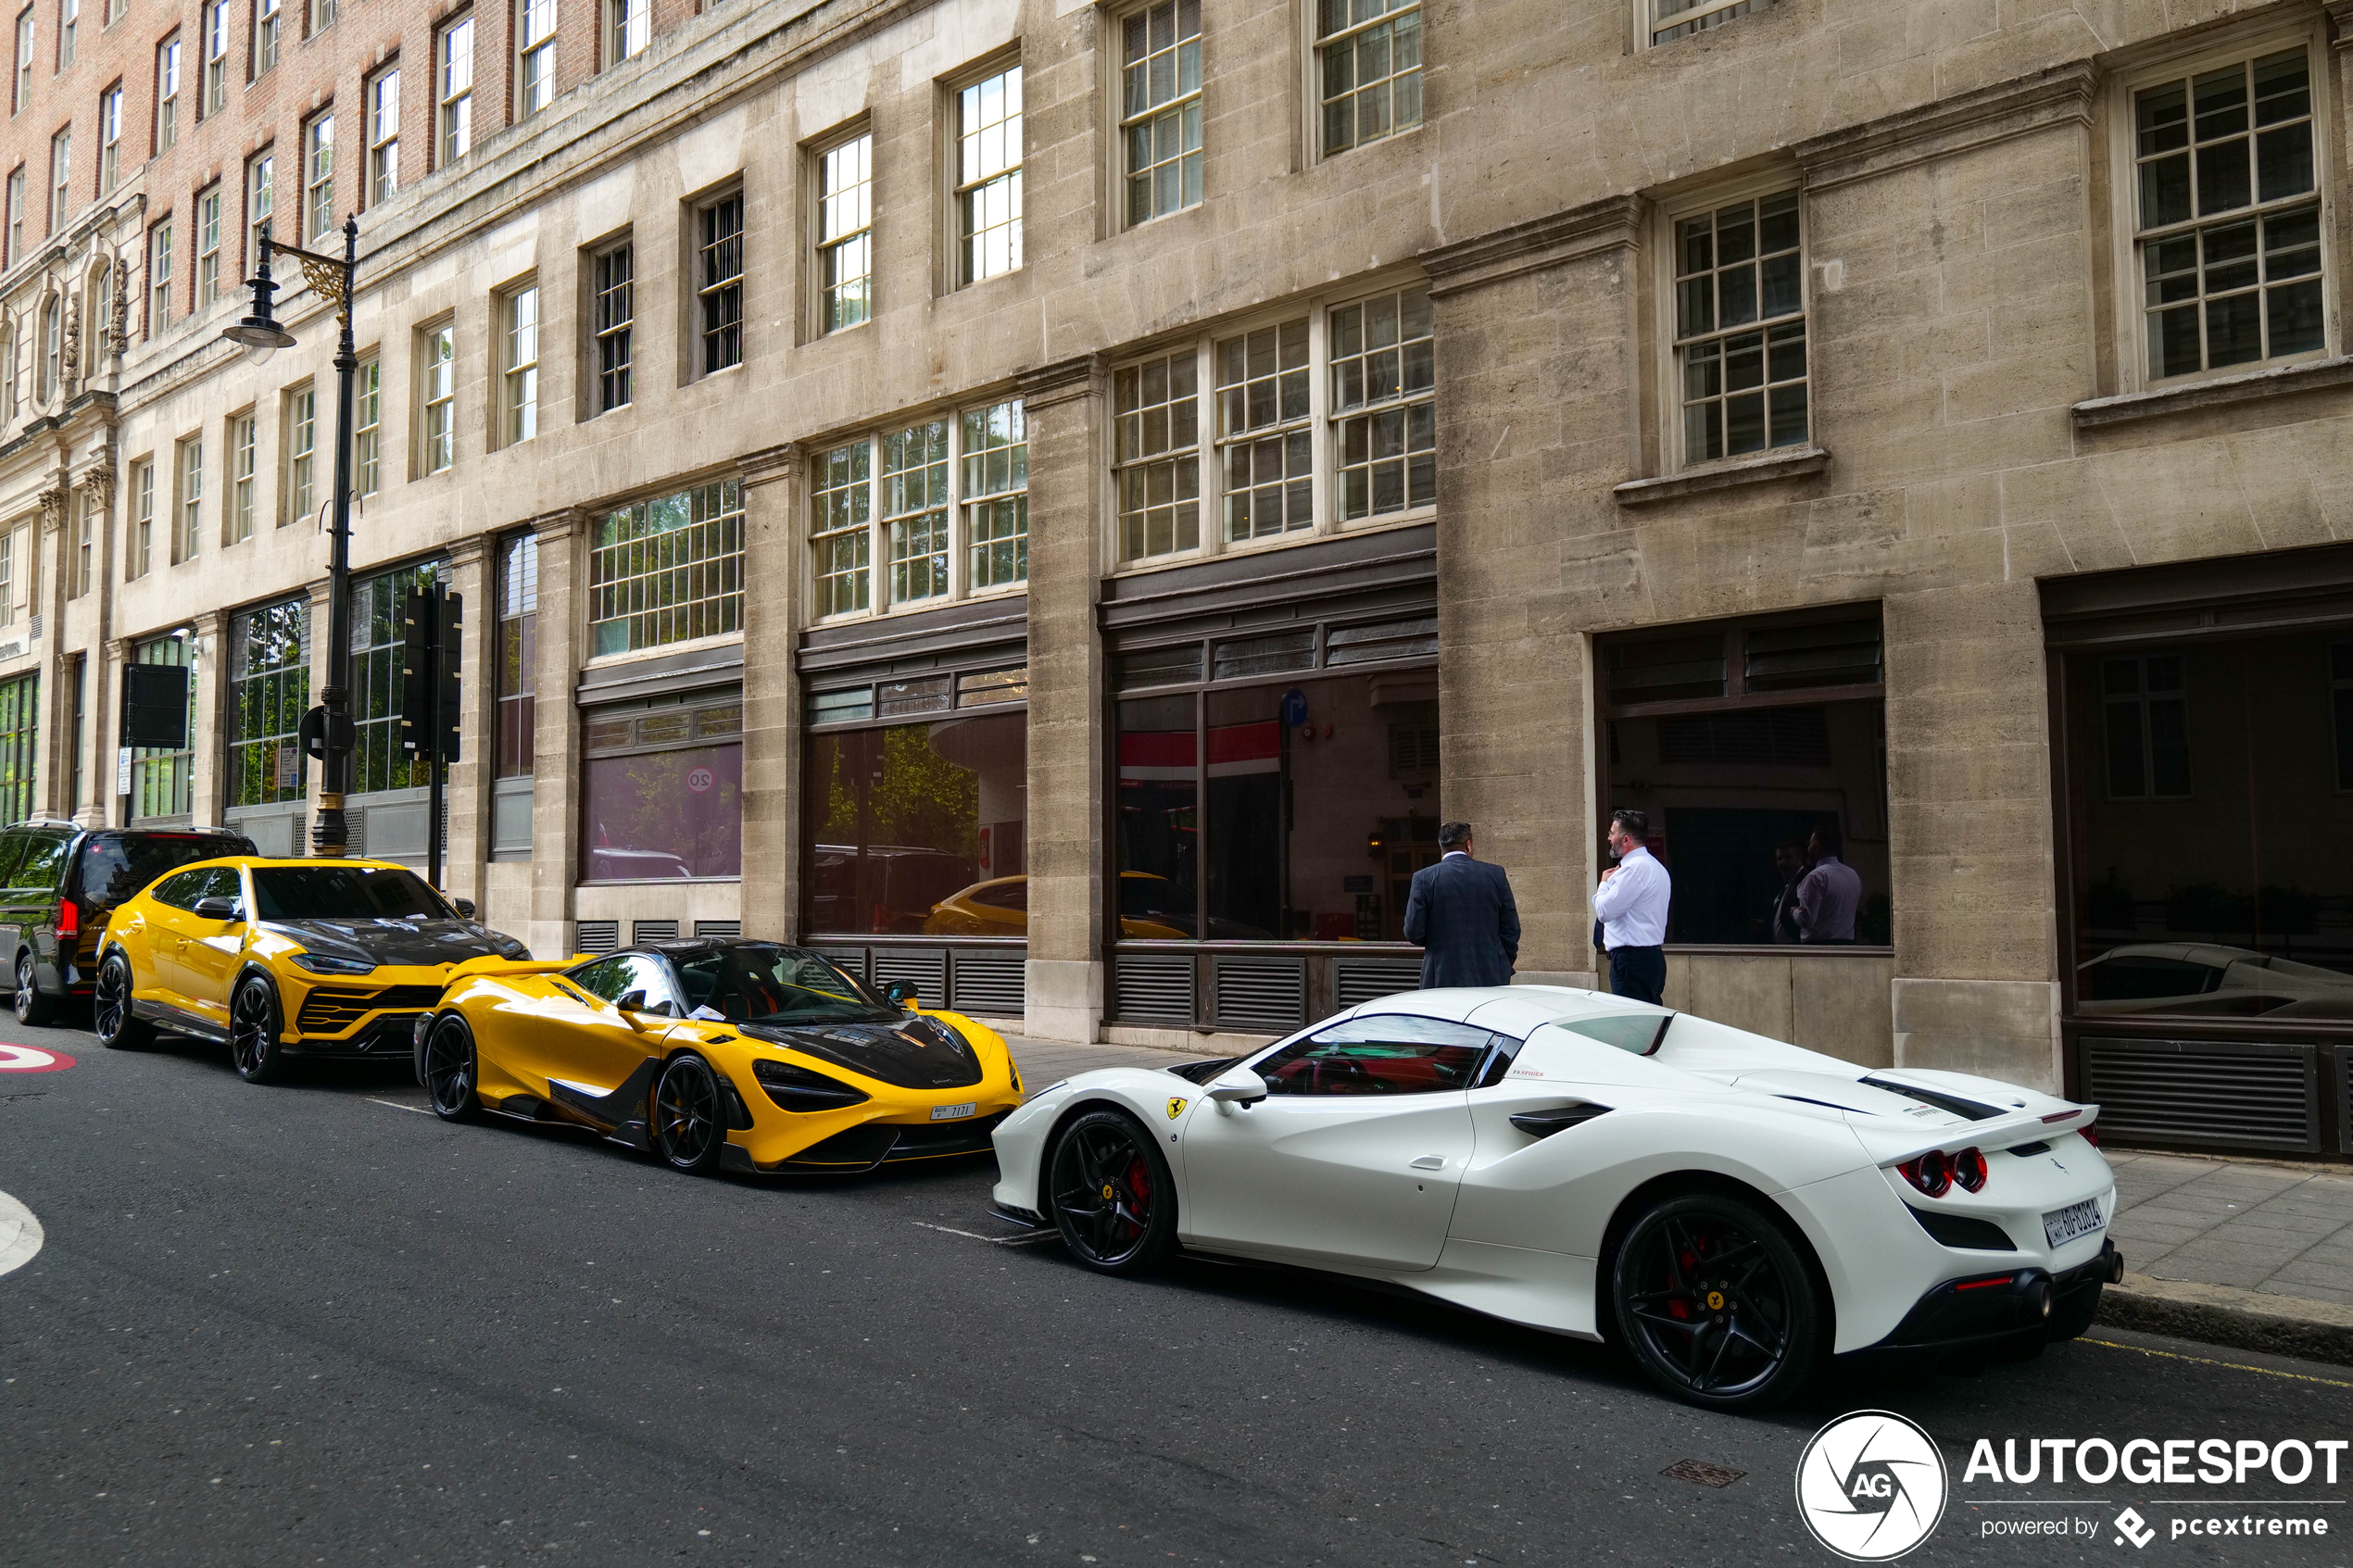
(1364, 981)
(2206, 1094)
(652, 931)
(719, 928)
(924, 968)
(989, 984)
(598, 936)
(852, 960)
(1265, 995)
(1154, 988)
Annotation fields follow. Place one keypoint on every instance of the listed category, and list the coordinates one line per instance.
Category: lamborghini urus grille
(331, 1010)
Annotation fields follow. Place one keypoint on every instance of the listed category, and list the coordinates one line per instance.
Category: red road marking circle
(32, 1059)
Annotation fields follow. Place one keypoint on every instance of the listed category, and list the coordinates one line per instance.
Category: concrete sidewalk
(2252, 1253)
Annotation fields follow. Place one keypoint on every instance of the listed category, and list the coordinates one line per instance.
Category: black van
(59, 882)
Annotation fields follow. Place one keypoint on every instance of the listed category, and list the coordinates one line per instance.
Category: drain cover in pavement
(1700, 1471)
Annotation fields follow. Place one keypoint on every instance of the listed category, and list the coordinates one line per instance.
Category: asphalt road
(313, 1324)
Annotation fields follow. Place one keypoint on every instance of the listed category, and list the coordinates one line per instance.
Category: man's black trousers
(1639, 972)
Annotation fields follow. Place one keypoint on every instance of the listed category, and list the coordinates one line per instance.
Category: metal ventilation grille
(2218, 1093)
(1152, 988)
(989, 984)
(852, 960)
(354, 840)
(1265, 995)
(925, 968)
(652, 931)
(719, 928)
(598, 936)
(1364, 981)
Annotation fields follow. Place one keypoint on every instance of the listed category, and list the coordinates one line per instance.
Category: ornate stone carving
(118, 323)
(53, 508)
(69, 353)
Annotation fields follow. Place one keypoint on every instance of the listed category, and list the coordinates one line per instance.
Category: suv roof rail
(38, 822)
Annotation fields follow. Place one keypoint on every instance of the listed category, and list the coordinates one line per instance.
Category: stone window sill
(2223, 393)
(1797, 464)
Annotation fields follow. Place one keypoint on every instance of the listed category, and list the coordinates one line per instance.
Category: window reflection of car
(1000, 907)
(2206, 979)
(888, 888)
(635, 865)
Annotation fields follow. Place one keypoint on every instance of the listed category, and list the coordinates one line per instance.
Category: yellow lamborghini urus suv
(279, 959)
(718, 1053)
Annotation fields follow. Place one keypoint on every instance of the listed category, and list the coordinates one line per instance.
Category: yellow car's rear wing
(513, 966)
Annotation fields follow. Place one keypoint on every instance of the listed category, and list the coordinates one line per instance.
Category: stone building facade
(1054, 500)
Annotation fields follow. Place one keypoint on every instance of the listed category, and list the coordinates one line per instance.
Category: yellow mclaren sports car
(718, 1053)
(280, 959)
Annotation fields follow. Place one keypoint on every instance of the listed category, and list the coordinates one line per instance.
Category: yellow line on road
(2236, 1366)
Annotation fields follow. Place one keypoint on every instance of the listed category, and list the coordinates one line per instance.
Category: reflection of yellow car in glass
(284, 958)
(718, 1053)
(1150, 906)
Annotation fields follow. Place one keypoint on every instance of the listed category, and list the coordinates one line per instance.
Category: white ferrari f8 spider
(1729, 1210)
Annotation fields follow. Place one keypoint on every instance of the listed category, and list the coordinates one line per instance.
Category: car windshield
(758, 983)
(113, 868)
(343, 893)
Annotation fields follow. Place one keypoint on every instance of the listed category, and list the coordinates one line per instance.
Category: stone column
(468, 787)
(555, 790)
(1063, 404)
(208, 722)
(772, 694)
(1536, 397)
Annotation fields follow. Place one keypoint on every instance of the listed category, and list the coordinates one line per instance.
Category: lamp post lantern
(327, 729)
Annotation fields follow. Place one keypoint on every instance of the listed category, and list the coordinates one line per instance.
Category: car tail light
(68, 917)
(1932, 1172)
(2089, 1134)
(1968, 1170)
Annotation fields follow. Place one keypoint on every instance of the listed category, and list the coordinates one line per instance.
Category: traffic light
(429, 664)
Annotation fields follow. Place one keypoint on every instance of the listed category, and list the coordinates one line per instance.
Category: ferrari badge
(1177, 1108)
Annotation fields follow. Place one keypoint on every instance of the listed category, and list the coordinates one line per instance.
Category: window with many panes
(1158, 455)
(1160, 108)
(109, 139)
(16, 217)
(261, 196)
(24, 61)
(319, 178)
(367, 426)
(60, 178)
(629, 28)
(302, 453)
(845, 233)
(383, 137)
(85, 543)
(719, 282)
(436, 397)
(161, 777)
(519, 366)
(923, 512)
(1368, 55)
(159, 277)
(209, 204)
(142, 520)
(188, 535)
(168, 93)
(1382, 381)
(535, 55)
(667, 570)
(454, 96)
(268, 690)
(1265, 433)
(379, 630)
(213, 29)
(613, 323)
(69, 31)
(265, 35)
(2228, 215)
(237, 526)
(516, 641)
(1666, 20)
(1740, 327)
(988, 152)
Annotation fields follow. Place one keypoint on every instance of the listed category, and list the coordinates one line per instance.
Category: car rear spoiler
(512, 966)
(1999, 1132)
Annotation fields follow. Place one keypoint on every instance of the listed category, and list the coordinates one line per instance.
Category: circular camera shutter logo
(1871, 1485)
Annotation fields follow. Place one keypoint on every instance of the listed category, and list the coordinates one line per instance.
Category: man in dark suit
(1459, 913)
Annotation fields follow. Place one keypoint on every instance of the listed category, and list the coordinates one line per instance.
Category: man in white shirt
(1631, 903)
(1830, 893)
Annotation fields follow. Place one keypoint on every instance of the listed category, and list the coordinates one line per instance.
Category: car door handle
(1431, 1162)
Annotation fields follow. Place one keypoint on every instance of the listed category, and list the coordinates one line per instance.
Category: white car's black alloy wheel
(1110, 1198)
(689, 1125)
(450, 1068)
(1714, 1303)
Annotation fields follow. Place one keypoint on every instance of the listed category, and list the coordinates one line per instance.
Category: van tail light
(2090, 1135)
(1932, 1172)
(1968, 1170)
(68, 917)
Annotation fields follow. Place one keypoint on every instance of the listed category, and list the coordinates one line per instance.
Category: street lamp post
(326, 729)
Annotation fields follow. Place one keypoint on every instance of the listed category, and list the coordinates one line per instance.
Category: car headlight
(327, 963)
(797, 1088)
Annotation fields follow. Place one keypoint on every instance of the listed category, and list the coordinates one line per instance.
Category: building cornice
(1612, 223)
(1064, 380)
(2060, 95)
(770, 465)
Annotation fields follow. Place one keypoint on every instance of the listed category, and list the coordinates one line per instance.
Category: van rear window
(114, 869)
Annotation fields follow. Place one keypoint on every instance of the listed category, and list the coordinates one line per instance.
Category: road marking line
(397, 1105)
(21, 1234)
(991, 1240)
(2236, 1366)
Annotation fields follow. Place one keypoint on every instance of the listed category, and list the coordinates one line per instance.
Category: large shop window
(662, 789)
(379, 627)
(159, 778)
(20, 729)
(1758, 748)
(268, 690)
(1276, 800)
(917, 814)
(2211, 833)
(668, 571)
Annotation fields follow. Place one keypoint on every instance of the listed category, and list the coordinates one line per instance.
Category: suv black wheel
(690, 1118)
(1110, 1195)
(253, 1050)
(119, 1029)
(33, 1008)
(447, 1070)
(1714, 1303)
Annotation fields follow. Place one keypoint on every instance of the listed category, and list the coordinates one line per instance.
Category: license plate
(953, 1113)
(2063, 1225)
